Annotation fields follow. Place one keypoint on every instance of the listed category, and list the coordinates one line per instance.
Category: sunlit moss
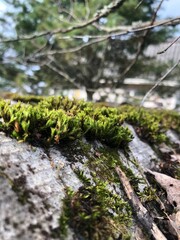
(52, 119)
(95, 211)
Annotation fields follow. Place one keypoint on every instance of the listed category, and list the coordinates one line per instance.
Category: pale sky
(171, 8)
(2, 7)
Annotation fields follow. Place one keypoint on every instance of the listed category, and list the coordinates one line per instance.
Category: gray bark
(33, 182)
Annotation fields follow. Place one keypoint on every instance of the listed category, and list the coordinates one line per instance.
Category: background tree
(78, 44)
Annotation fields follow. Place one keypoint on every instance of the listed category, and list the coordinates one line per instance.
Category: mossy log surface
(69, 169)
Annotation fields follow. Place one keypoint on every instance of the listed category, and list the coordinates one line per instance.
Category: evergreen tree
(68, 59)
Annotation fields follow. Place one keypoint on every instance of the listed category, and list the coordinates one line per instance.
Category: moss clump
(151, 124)
(96, 213)
(25, 99)
(54, 119)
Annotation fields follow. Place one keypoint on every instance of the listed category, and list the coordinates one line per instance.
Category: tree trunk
(89, 95)
(85, 189)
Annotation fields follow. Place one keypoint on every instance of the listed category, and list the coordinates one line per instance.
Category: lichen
(18, 186)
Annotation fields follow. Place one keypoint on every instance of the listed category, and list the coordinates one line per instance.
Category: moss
(25, 99)
(53, 119)
(151, 124)
(104, 162)
(92, 211)
(177, 172)
(97, 210)
(95, 213)
(147, 195)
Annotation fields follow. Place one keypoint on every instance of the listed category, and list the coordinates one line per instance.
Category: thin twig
(140, 27)
(65, 51)
(88, 11)
(163, 51)
(63, 74)
(141, 43)
(101, 13)
(63, 10)
(158, 82)
(124, 30)
(138, 5)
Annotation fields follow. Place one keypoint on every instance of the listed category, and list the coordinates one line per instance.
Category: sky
(171, 8)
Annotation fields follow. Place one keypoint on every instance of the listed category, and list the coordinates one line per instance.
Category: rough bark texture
(33, 183)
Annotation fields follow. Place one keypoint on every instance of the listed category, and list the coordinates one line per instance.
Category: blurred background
(108, 51)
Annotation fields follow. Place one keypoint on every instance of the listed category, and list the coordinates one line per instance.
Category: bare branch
(139, 26)
(124, 30)
(65, 51)
(101, 39)
(156, 11)
(139, 4)
(141, 43)
(88, 11)
(62, 74)
(102, 13)
(158, 82)
(163, 51)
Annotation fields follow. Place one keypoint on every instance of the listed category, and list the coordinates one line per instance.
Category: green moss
(151, 124)
(104, 162)
(147, 195)
(53, 119)
(26, 99)
(94, 212)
